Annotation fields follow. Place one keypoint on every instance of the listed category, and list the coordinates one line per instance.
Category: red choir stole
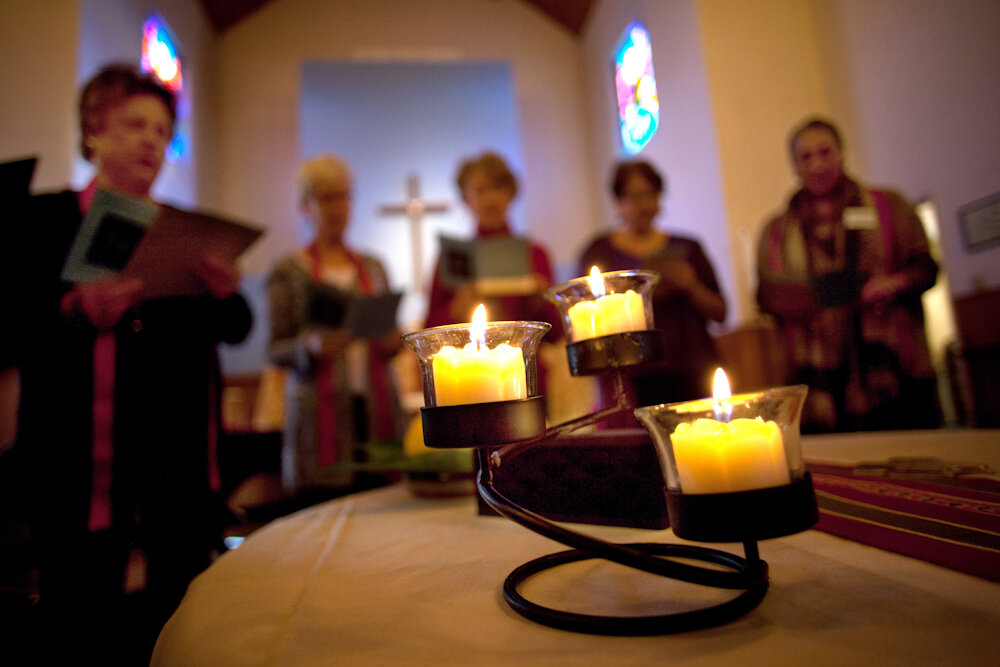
(327, 453)
(103, 409)
(908, 345)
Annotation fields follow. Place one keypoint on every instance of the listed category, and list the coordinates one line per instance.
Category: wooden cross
(415, 208)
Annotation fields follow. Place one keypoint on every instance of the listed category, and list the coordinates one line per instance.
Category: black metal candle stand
(500, 429)
(483, 424)
(594, 356)
(758, 514)
(748, 574)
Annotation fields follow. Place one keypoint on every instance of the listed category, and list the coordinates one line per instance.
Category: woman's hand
(882, 289)
(102, 302)
(676, 276)
(389, 344)
(221, 278)
(463, 303)
(326, 343)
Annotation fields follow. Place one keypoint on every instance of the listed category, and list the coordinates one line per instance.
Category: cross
(415, 208)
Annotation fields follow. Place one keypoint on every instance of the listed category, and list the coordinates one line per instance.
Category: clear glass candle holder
(744, 442)
(480, 385)
(733, 466)
(588, 311)
(430, 344)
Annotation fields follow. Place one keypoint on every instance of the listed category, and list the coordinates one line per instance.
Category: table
(383, 577)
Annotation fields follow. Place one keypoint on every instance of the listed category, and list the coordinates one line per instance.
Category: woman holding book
(488, 188)
(339, 394)
(686, 297)
(119, 394)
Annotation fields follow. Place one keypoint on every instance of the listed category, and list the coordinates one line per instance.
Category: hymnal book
(107, 237)
(168, 254)
(664, 262)
(15, 188)
(160, 245)
(837, 288)
(363, 316)
(15, 178)
(493, 266)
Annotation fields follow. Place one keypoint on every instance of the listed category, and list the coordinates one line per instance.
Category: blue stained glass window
(160, 56)
(635, 88)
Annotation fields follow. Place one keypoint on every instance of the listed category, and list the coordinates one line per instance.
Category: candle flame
(477, 332)
(596, 282)
(720, 385)
(721, 392)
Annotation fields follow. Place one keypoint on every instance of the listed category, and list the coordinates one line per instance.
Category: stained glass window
(635, 87)
(160, 56)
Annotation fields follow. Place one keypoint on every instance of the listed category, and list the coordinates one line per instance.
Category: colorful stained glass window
(160, 56)
(635, 87)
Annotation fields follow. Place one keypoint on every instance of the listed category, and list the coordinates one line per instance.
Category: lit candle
(608, 313)
(477, 374)
(719, 455)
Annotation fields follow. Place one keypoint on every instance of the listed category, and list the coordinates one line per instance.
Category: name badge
(860, 218)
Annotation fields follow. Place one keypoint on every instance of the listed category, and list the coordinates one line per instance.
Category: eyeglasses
(640, 197)
(332, 197)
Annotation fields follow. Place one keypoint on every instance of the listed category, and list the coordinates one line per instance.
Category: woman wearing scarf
(339, 394)
(842, 271)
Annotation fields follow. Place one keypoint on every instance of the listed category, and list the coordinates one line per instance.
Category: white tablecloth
(384, 577)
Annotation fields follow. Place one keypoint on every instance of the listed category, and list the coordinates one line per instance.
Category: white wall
(111, 31)
(50, 49)
(919, 81)
(259, 62)
(685, 146)
(38, 43)
(914, 84)
(763, 67)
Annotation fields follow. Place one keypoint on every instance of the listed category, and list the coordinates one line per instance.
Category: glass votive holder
(480, 383)
(608, 319)
(733, 466)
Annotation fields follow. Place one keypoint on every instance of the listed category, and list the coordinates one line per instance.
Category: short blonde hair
(324, 168)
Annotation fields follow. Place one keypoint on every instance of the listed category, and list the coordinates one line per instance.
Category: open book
(363, 316)
(15, 178)
(159, 245)
(493, 266)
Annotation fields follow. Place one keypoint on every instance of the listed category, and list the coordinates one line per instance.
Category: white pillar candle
(716, 456)
(608, 313)
(477, 374)
(719, 457)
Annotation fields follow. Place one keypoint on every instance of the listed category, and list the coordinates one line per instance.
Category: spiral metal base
(749, 574)
(499, 429)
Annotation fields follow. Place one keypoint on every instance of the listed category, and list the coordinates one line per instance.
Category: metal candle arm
(501, 427)
(749, 574)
